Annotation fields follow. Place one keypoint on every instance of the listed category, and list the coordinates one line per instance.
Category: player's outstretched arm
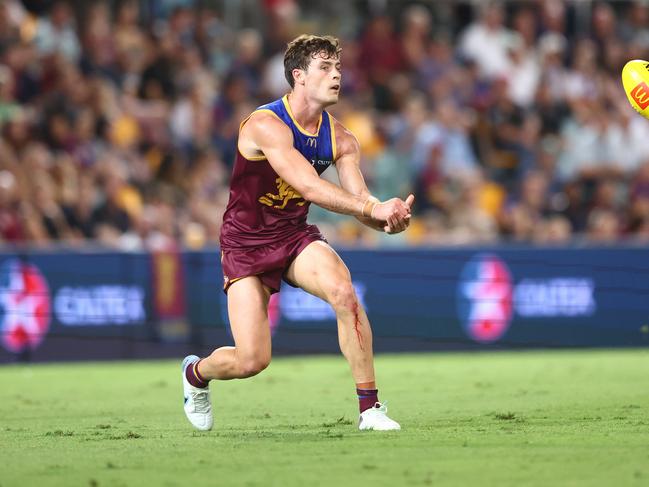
(351, 179)
(268, 135)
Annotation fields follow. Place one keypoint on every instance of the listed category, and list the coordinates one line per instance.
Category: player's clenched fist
(395, 213)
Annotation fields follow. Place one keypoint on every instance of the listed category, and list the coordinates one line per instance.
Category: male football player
(283, 147)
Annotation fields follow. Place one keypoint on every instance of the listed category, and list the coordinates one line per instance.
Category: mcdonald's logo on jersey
(640, 95)
(312, 142)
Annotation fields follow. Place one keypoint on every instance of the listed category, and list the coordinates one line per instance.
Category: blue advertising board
(59, 305)
(82, 295)
(501, 296)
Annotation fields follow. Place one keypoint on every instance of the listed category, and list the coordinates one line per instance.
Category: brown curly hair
(302, 49)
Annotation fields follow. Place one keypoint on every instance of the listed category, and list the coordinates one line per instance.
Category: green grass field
(530, 418)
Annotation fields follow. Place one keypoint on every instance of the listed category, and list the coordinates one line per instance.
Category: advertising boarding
(44, 297)
(68, 305)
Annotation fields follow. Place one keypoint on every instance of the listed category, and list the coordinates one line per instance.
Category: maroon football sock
(367, 398)
(194, 377)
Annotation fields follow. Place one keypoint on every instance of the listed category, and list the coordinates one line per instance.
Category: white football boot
(376, 418)
(198, 406)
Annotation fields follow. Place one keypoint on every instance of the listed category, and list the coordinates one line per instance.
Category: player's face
(322, 80)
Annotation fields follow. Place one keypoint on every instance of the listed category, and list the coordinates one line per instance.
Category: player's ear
(298, 76)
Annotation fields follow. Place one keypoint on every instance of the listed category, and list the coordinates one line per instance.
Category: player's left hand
(398, 225)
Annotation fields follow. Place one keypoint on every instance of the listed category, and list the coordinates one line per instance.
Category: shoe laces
(201, 401)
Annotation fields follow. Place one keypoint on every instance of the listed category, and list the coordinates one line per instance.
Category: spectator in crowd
(554, 230)
(381, 56)
(118, 124)
(56, 33)
(416, 32)
(485, 41)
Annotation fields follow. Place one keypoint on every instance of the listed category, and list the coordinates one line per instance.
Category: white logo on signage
(100, 305)
(298, 305)
(555, 297)
(489, 296)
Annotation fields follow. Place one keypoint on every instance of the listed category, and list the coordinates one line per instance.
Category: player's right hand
(395, 213)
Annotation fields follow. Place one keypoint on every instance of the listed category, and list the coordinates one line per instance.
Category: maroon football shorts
(268, 262)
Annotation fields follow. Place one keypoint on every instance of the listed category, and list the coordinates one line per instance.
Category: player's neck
(305, 113)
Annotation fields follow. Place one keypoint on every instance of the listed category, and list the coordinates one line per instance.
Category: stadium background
(507, 121)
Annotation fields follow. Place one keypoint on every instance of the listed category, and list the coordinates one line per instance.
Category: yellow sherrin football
(635, 79)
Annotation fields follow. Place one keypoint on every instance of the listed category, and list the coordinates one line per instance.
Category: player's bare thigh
(248, 313)
(320, 271)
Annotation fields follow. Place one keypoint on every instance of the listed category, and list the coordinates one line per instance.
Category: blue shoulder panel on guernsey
(318, 148)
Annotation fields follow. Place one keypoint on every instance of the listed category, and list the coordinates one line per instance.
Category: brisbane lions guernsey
(263, 208)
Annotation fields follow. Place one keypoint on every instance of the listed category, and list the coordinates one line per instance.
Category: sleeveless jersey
(262, 207)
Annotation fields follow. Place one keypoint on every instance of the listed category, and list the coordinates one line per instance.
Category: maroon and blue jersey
(263, 208)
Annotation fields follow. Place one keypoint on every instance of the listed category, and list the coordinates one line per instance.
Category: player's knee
(342, 296)
(253, 366)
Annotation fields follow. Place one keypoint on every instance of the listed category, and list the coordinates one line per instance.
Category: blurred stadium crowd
(508, 121)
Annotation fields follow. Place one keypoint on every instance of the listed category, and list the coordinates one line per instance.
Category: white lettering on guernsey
(320, 162)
